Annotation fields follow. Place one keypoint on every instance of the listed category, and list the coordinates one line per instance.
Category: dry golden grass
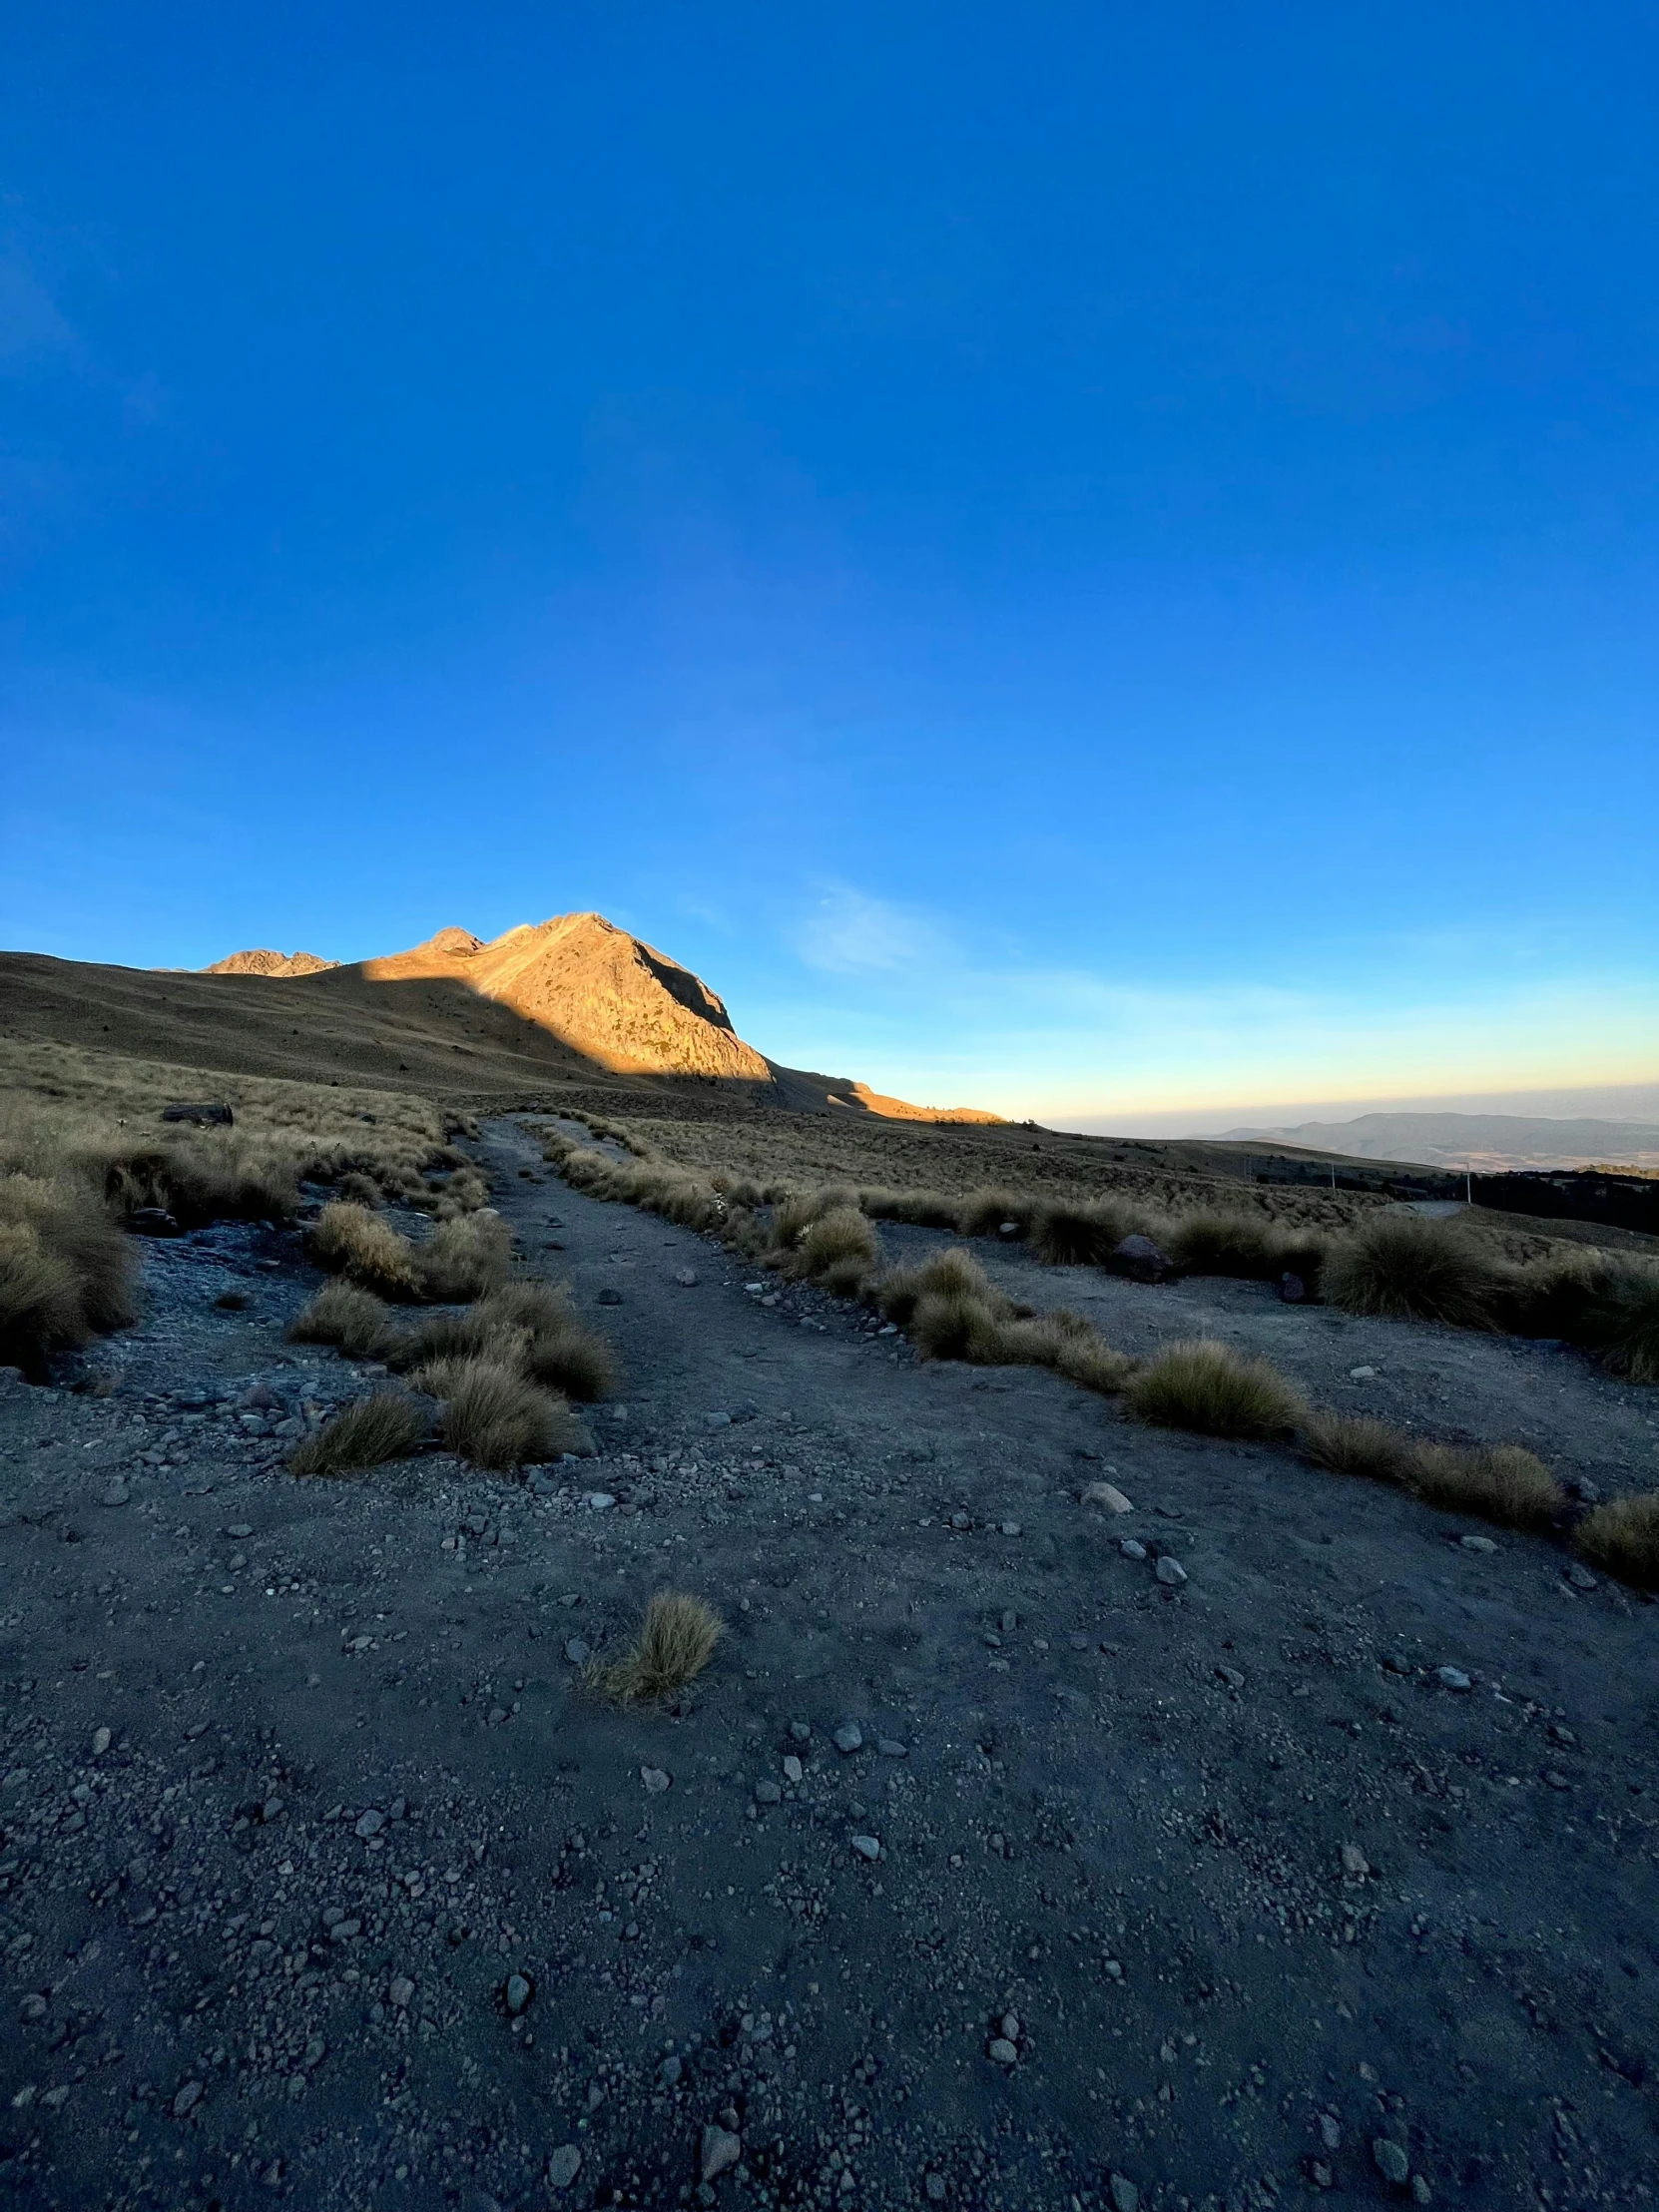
(676, 1641)
(463, 1258)
(66, 1271)
(346, 1316)
(1500, 1483)
(984, 1212)
(348, 1240)
(839, 1250)
(1408, 1268)
(1622, 1538)
(528, 1326)
(1209, 1388)
(1081, 1236)
(495, 1417)
(375, 1429)
(1347, 1443)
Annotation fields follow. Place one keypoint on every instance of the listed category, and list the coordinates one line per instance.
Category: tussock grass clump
(348, 1240)
(344, 1314)
(1219, 1242)
(463, 1258)
(677, 1639)
(1357, 1444)
(65, 1270)
(1209, 1388)
(923, 1209)
(1621, 1320)
(1622, 1538)
(1074, 1236)
(658, 1187)
(527, 1325)
(1407, 1266)
(1501, 1482)
(494, 1416)
(840, 1250)
(951, 1311)
(375, 1429)
(943, 1274)
(984, 1212)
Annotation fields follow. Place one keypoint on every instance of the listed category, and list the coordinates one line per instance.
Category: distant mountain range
(1487, 1142)
(605, 994)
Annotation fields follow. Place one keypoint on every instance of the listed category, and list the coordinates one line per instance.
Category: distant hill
(1487, 1142)
(269, 963)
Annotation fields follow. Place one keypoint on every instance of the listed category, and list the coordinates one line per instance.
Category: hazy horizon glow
(1098, 566)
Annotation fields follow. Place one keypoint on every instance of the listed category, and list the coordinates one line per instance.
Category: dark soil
(1273, 1908)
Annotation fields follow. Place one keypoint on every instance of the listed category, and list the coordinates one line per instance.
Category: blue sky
(1095, 561)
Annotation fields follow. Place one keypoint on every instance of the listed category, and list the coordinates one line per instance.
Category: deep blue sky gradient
(1085, 559)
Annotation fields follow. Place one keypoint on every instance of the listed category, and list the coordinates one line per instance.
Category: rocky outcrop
(269, 963)
(612, 997)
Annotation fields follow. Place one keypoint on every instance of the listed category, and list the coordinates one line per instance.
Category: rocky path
(991, 1866)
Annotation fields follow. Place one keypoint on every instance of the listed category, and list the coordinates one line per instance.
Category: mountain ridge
(1485, 1142)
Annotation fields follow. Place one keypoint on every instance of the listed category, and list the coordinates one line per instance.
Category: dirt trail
(1261, 1901)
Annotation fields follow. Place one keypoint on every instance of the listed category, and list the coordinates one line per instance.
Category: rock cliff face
(612, 997)
(271, 963)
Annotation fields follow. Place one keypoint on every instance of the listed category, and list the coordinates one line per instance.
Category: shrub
(923, 1209)
(676, 1642)
(1079, 1236)
(348, 1240)
(1621, 1320)
(345, 1315)
(463, 1258)
(1410, 1267)
(496, 1419)
(1209, 1388)
(385, 1427)
(1500, 1483)
(1622, 1538)
(1357, 1444)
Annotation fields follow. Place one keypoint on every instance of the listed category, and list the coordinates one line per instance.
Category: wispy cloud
(849, 933)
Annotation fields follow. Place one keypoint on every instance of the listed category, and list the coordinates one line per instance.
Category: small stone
(1002, 2052)
(722, 2148)
(563, 2166)
(1108, 1497)
(188, 2097)
(576, 1651)
(1476, 1544)
(1131, 1550)
(1170, 1572)
(1391, 2162)
(890, 1748)
(867, 1847)
(1421, 2191)
(1320, 2174)
(1010, 2027)
(850, 1737)
(768, 1793)
(519, 1990)
(1125, 2196)
(669, 2072)
(655, 1780)
(369, 1824)
(794, 1771)
(1355, 1862)
(1010, 1529)
(600, 1501)
(1452, 1678)
(1331, 2132)
(686, 1278)
(1555, 1779)
(1361, 1375)
(935, 2189)
(115, 1492)
(33, 2007)
(401, 1992)
(100, 1742)
(800, 1732)
(1581, 1578)
(1232, 1676)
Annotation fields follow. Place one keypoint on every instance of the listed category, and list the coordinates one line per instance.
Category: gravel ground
(319, 1878)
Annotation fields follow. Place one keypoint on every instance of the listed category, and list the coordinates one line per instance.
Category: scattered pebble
(1002, 2052)
(1131, 1550)
(850, 1737)
(722, 2148)
(1477, 1543)
(655, 1779)
(576, 1651)
(867, 1847)
(563, 2166)
(1391, 2162)
(1170, 1572)
(1107, 1495)
(794, 1771)
(1452, 1678)
(1355, 1862)
(1125, 2196)
(519, 1990)
(768, 1792)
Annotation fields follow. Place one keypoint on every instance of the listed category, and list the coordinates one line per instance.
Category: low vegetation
(66, 1271)
(375, 1429)
(343, 1315)
(496, 1418)
(1214, 1391)
(1355, 1443)
(530, 1327)
(1500, 1482)
(1403, 1266)
(461, 1260)
(1622, 1538)
(676, 1641)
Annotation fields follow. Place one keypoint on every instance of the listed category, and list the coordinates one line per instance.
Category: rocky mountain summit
(263, 962)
